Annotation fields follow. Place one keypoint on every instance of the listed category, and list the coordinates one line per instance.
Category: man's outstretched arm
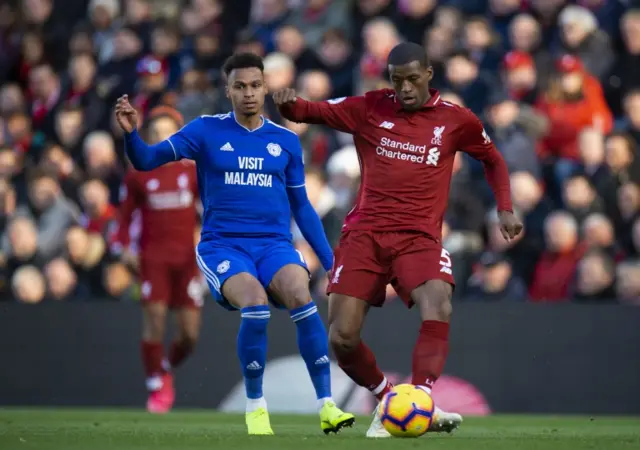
(344, 114)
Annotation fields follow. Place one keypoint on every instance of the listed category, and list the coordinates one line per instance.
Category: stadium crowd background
(557, 84)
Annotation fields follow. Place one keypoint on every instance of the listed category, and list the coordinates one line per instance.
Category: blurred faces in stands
(596, 273)
(461, 70)
(165, 40)
(504, 7)
(576, 24)
(620, 152)
(28, 285)
(290, 41)
(578, 193)
(597, 231)
(372, 7)
(18, 128)
(526, 191)
(77, 244)
(629, 200)
(561, 232)
(137, 11)
(99, 154)
(69, 126)
(82, 71)
(279, 71)
(503, 114)
(11, 99)
(7, 200)
(439, 44)
(519, 72)
(32, 48)
(524, 33)
(630, 27)
(477, 34)
(94, 197)
(103, 12)
(153, 73)
(43, 82)
(496, 272)
(314, 85)
(56, 160)
(23, 238)
(632, 108)
(335, 49)
(117, 279)
(416, 8)
(37, 12)
(628, 284)
(452, 97)
(343, 169)
(126, 44)
(8, 163)
(380, 36)
(161, 128)
(591, 145)
(571, 75)
(449, 17)
(81, 41)
(267, 11)
(61, 279)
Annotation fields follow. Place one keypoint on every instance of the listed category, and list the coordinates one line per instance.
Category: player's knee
(297, 297)
(434, 300)
(342, 340)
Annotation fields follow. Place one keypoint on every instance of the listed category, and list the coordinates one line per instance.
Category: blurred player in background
(251, 178)
(406, 139)
(166, 198)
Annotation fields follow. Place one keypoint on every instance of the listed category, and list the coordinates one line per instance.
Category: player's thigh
(231, 276)
(433, 299)
(357, 271)
(421, 262)
(187, 289)
(283, 271)
(346, 318)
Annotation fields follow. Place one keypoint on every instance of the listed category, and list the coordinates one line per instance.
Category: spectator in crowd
(70, 127)
(62, 281)
(313, 17)
(119, 282)
(628, 283)
(57, 161)
(101, 161)
(45, 87)
(87, 255)
(380, 36)
(525, 38)
(290, 41)
(598, 233)
(495, 281)
(99, 215)
(464, 78)
(337, 59)
(632, 115)
(28, 285)
(482, 43)
(414, 17)
(595, 278)
(520, 76)
(580, 197)
(556, 266)
(81, 95)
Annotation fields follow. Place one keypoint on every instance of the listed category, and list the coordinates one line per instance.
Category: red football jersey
(406, 158)
(166, 198)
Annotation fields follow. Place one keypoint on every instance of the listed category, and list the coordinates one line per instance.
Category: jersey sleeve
(475, 141)
(188, 140)
(345, 114)
(294, 172)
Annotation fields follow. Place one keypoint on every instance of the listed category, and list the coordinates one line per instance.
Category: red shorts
(175, 285)
(366, 261)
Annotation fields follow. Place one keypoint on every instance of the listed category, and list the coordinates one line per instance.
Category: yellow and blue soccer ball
(406, 411)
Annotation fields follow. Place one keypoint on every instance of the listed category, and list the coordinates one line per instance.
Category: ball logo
(274, 149)
(223, 266)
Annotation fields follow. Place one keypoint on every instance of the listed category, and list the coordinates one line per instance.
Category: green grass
(86, 429)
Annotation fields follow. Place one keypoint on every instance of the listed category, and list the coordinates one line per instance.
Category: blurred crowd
(556, 82)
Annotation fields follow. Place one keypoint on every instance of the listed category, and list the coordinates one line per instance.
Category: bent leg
(154, 316)
(290, 288)
(346, 317)
(188, 320)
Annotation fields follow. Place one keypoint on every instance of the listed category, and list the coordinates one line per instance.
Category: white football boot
(443, 422)
(376, 429)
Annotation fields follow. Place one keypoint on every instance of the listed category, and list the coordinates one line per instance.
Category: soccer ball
(406, 411)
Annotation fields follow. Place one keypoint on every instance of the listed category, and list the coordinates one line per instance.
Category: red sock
(430, 352)
(362, 368)
(179, 351)
(152, 355)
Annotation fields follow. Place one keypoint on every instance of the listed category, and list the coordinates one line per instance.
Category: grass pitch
(75, 429)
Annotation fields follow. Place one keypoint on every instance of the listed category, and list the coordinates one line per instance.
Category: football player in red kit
(406, 138)
(166, 198)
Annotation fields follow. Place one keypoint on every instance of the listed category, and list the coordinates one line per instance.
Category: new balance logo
(433, 156)
(387, 125)
(226, 147)
(254, 366)
(322, 360)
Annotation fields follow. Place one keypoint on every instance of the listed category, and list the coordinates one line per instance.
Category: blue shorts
(262, 258)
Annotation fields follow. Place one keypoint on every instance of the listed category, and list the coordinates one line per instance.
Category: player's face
(411, 83)
(246, 90)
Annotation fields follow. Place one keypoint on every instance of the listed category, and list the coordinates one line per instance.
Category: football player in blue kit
(251, 181)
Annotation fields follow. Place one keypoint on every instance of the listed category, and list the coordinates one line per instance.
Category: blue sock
(252, 347)
(314, 347)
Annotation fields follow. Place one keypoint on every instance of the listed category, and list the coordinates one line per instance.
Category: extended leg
(188, 331)
(159, 383)
(290, 287)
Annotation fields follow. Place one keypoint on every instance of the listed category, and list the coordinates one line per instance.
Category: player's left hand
(510, 225)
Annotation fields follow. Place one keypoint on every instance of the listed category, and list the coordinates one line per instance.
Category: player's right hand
(284, 96)
(126, 115)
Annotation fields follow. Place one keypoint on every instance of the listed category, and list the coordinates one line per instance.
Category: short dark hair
(406, 53)
(242, 61)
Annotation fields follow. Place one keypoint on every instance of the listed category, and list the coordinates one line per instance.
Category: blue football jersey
(243, 174)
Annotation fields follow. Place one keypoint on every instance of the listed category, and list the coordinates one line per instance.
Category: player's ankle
(323, 401)
(382, 389)
(154, 383)
(254, 404)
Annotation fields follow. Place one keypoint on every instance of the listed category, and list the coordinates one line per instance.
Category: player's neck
(251, 122)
